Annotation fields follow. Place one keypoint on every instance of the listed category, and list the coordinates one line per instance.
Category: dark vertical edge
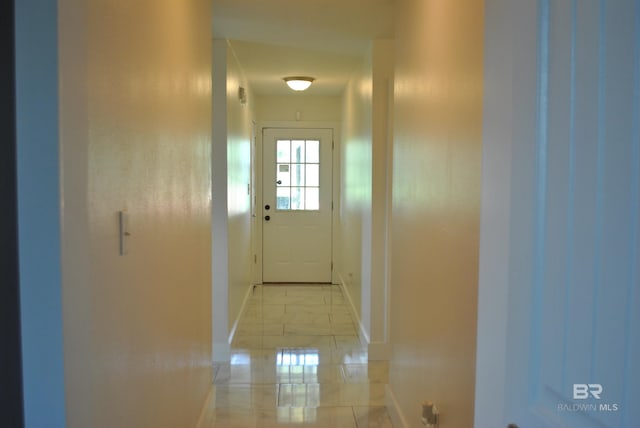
(11, 393)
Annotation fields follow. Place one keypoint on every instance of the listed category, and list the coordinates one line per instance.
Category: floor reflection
(297, 361)
(302, 357)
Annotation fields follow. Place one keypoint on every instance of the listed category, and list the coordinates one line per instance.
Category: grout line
(355, 418)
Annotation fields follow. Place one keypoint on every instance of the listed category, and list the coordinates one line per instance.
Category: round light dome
(299, 83)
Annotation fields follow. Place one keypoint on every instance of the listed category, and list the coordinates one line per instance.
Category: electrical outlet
(430, 415)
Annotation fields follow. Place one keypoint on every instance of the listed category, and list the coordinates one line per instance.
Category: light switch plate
(123, 220)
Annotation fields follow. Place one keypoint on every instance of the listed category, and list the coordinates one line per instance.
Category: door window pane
(283, 151)
(297, 175)
(312, 175)
(312, 199)
(297, 198)
(282, 176)
(313, 151)
(297, 151)
(283, 198)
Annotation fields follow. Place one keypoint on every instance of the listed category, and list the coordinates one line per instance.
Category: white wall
(239, 128)
(310, 107)
(436, 203)
(231, 215)
(219, 210)
(363, 205)
(354, 263)
(135, 116)
(381, 168)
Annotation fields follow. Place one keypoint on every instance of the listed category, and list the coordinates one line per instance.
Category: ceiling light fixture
(299, 83)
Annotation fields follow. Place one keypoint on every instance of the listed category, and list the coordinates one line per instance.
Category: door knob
(279, 182)
(267, 207)
(267, 218)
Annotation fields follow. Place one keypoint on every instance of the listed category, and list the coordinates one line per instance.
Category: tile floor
(296, 361)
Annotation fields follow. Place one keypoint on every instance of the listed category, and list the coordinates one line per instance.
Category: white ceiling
(325, 39)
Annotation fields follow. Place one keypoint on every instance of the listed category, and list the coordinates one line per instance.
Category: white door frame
(257, 189)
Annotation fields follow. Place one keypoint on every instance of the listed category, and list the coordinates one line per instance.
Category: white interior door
(559, 300)
(297, 205)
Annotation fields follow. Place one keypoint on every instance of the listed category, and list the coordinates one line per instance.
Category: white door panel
(297, 205)
(572, 315)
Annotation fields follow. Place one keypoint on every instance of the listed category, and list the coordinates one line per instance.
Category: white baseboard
(362, 331)
(397, 417)
(222, 349)
(377, 351)
(243, 308)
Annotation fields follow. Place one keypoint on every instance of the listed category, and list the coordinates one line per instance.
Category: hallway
(297, 361)
(486, 213)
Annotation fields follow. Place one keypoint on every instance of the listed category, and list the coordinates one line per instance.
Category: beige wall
(436, 184)
(135, 135)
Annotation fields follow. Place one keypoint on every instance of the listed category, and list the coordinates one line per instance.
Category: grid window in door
(298, 175)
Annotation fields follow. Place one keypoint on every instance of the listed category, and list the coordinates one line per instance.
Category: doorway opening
(297, 205)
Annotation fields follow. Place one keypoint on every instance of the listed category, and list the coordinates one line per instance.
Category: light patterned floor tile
(273, 291)
(340, 310)
(246, 396)
(300, 329)
(372, 417)
(305, 292)
(301, 341)
(330, 395)
(295, 300)
(256, 329)
(374, 372)
(308, 309)
(334, 417)
(249, 356)
(325, 373)
(248, 342)
(306, 318)
(232, 417)
(343, 329)
(340, 318)
(297, 361)
(348, 342)
(349, 356)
